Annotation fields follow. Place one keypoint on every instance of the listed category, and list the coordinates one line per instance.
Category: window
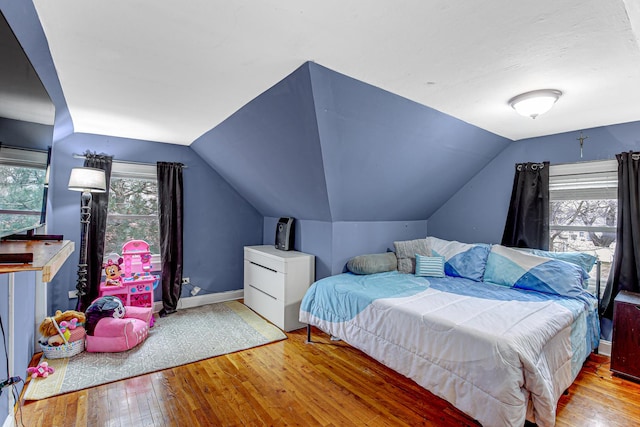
(133, 207)
(22, 176)
(583, 211)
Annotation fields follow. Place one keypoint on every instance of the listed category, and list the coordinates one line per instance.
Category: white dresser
(275, 282)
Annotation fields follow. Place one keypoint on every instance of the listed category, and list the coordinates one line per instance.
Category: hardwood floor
(290, 382)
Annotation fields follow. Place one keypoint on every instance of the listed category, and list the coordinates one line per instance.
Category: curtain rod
(128, 162)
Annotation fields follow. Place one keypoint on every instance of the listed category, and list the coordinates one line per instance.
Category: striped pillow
(429, 266)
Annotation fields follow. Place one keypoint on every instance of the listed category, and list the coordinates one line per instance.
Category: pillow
(582, 259)
(427, 266)
(513, 268)
(373, 263)
(461, 259)
(406, 253)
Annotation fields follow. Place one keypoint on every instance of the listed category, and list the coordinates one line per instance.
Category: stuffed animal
(42, 370)
(113, 272)
(48, 329)
(106, 306)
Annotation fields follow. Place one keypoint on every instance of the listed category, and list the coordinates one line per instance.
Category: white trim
(134, 170)
(23, 157)
(596, 166)
(200, 300)
(605, 348)
(11, 345)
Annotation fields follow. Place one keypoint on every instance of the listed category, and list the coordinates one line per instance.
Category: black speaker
(285, 234)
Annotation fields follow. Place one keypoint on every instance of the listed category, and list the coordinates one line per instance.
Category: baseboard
(605, 348)
(199, 300)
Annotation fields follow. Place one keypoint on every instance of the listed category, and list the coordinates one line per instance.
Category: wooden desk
(48, 256)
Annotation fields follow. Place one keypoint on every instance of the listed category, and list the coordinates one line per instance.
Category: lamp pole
(85, 218)
(87, 180)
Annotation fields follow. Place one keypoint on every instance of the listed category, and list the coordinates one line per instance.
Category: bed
(502, 349)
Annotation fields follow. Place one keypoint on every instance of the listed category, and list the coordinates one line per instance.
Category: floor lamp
(87, 180)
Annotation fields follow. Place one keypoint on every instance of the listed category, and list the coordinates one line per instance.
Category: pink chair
(112, 334)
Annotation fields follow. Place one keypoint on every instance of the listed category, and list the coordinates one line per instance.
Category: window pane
(583, 216)
(133, 214)
(21, 192)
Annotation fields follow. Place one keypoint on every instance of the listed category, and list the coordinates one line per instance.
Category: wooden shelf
(48, 256)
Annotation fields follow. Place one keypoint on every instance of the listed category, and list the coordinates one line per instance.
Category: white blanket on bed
(486, 357)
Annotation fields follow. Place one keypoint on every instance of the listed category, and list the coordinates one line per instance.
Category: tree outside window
(133, 214)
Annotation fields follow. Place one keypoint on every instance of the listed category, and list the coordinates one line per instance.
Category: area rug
(186, 336)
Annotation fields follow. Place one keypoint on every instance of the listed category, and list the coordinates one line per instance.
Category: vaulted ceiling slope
(169, 70)
(320, 145)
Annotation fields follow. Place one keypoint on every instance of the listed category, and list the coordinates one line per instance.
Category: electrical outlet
(186, 281)
(195, 291)
(73, 294)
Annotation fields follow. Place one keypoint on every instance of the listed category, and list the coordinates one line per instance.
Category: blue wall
(218, 221)
(342, 156)
(25, 134)
(478, 211)
(24, 21)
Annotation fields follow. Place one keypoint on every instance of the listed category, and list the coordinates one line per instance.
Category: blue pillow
(461, 259)
(429, 266)
(583, 259)
(513, 268)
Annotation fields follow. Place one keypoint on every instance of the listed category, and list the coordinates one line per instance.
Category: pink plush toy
(42, 370)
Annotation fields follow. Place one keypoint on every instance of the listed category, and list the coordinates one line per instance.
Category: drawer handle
(262, 266)
(263, 292)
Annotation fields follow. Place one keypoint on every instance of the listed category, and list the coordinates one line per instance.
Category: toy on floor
(133, 282)
(42, 370)
(70, 324)
(113, 327)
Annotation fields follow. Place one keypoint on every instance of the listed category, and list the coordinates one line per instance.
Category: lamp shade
(532, 104)
(87, 179)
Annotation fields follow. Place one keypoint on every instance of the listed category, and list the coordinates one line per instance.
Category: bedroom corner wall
(478, 211)
(218, 221)
(335, 243)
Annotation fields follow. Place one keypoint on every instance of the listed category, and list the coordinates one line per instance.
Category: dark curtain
(97, 230)
(527, 224)
(170, 210)
(625, 270)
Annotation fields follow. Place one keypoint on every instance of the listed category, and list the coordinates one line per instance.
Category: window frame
(142, 171)
(26, 158)
(593, 180)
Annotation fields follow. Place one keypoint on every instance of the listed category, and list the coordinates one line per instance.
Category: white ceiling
(170, 70)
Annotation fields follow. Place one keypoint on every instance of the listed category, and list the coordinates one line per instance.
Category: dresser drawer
(265, 260)
(265, 279)
(265, 305)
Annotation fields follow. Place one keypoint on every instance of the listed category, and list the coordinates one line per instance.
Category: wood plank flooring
(293, 383)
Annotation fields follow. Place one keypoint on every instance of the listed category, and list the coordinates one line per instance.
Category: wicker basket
(67, 349)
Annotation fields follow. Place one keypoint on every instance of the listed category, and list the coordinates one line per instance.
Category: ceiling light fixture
(532, 104)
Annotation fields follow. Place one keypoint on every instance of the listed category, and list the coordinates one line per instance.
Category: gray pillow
(372, 263)
(406, 253)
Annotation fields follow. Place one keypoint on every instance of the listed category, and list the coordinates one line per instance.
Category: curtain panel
(97, 230)
(527, 224)
(625, 270)
(170, 210)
